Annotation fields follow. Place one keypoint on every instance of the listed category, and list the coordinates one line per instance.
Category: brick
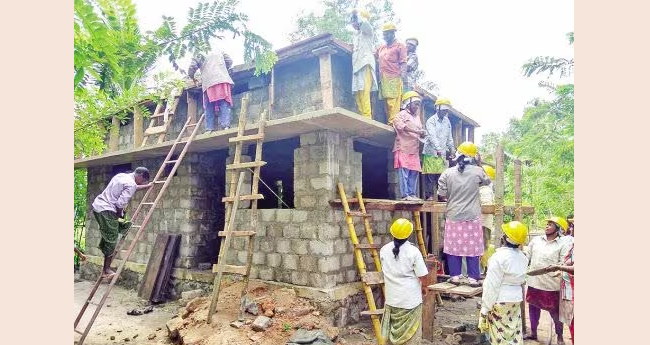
(308, 230)
(242, 256)
(306, 201)
(322, 183)
(290, 261)
(299, 216)
(266, 274)
(347, 260)
(267, 215)
(291, 231)
(283, 216)
(308, 263)
(352, 275)
(327, 231)
(308, 139)
(299, 278)
(274, 230)
(299, 184)
(342, 246)
(318, 247)
(274, 259)
(329, 264)
(322, 280)
(283, 245)
(267, 246)
(259, 258)
(299, 246)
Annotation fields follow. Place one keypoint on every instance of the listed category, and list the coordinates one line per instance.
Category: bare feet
(530, 336)
(108, 274)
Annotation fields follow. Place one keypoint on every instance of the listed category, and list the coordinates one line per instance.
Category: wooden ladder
(150, 201)
(375, 277)
(161, 120)
(232, 203)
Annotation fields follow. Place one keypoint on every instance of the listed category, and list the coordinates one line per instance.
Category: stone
(301, 311)
(290, 261)
(453, 339)
(318, 247)
(299, 216)
(251, 306)
(204, 266)
(266, 274)
(261, 323)
(151, 336)
(327, 231)
(299, 246)
(192, 294)
(237, 324)
(112, 337)
(291, 231)
(194, 304)
(449, 329)
(284, 216)
(322, 183)
(312, 337)
(283, 245)
(255, 337)
(173, 327)
(329, 264)
(308, 263)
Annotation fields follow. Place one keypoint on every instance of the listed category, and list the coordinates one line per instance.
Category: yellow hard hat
(442, 101)
(363, 13)
(401, 228)
(388, 27)
(410, 94)
(492, 174)
(561, 222)
(467, 148)
(516, 231)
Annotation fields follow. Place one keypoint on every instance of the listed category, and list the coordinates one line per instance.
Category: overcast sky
(473, 50)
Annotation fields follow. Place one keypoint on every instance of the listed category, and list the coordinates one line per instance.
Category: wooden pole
(114, 136)
(498, 197)
(518, 201)
(138, 125)
(429, 301)
(271, 94)
(192, 107)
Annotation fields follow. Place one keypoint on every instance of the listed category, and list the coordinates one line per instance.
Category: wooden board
(166, 269)
(429, 304)
(422, 206)
(462, 290)
(153, 267)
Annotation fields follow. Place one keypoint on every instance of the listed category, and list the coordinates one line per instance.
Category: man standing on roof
(364, 80)
(108, 209)
(438, 145)
(392, 69)
(411, 64)
(217, 87)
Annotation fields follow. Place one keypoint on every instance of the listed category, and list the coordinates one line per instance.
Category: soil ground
(114, 326)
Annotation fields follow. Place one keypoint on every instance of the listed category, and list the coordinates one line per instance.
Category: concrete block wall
(191, 207)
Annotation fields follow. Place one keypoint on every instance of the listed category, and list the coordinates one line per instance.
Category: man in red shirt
(392, 69)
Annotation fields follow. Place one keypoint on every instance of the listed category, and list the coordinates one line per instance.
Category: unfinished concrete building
(314, 139)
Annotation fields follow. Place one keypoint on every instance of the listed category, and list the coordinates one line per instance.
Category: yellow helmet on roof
(388, 27)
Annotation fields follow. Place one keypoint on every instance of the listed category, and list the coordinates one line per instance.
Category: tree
(336, 19)
(543, 139)
(542, 64)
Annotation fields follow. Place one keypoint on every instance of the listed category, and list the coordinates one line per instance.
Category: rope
(498, 209)
(269, 188)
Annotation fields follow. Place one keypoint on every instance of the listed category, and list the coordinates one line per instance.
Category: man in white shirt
(108, 208)
(543, 290)
(364, 78)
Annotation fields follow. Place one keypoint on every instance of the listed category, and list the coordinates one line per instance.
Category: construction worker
(392, 70)
(566, 290)
(217, 87)
(463, 237)
(408, 131)
(543, 291)
(411, 64)
(487, 198)
(438, 146)
(364, 78)
(500, 314)
(571, 229)
(405, 274)
(108, 209)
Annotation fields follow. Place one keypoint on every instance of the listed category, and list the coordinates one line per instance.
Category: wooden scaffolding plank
(171, 251)
(153, 267)
(237, 233)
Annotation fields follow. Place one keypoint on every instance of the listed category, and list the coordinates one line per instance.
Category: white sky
(473, 49)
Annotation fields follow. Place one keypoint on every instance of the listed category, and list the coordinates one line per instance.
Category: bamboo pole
(518, 201)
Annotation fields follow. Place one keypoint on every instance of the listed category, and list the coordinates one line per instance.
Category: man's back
(117, 194)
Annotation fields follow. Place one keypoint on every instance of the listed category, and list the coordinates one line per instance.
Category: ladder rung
(155, 130)
(191, 125)
(373, 312)
(172, 161)
(372, 278)
(366, 246)
(238, 233)
(243, 197)
(160, 181)
(147, 203)
(246, 138)
(93, 303)
(245, 165)
(241, 270)
(78, 331)
(358, 214)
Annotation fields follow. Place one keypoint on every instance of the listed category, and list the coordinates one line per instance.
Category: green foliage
(542, 64)
(336, 19)
(543, 139)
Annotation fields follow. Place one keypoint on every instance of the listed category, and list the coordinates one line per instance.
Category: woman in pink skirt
(459, 187)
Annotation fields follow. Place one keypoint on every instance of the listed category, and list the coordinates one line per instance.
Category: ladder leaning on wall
(141, 217)
(232, 203)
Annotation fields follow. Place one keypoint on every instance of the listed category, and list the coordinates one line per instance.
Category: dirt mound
(286, 311)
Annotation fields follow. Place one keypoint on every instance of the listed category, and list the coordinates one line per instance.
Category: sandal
(473, 282)
(454, 280)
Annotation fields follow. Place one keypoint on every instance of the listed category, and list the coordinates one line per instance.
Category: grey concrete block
(329, 264)
(274, 259)
(319, 247)
(290, 261)
(283, 245)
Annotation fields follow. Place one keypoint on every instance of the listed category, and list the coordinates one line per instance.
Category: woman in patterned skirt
(500, 313)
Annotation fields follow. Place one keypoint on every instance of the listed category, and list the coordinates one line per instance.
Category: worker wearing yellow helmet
(364, 69)
(543, 292)
(463, 238)
(438, 146)
(406, 149)
(487, 198)
(392, 58)
(500, 314)
(404, 274)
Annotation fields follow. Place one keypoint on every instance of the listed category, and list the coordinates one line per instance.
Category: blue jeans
(408, 181)
(455, 263)
(224, 113)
